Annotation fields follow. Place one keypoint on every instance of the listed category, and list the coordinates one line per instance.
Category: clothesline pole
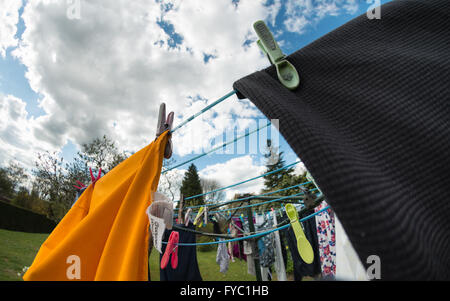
(254, 245)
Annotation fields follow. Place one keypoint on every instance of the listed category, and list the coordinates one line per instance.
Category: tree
(191, 186)
(275, 161)
(282, 179)
(170, 182)
(101, 153)
(17, 174)
(211, 185)
(78, 170)
(54, 180)
(12, 179)
(6, 185)
(51, 181)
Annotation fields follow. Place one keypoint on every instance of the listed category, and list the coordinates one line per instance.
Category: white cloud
(297, 24)
(233, 171)
(17, 138)
(301, 14)
(9, 17)
(107, 72)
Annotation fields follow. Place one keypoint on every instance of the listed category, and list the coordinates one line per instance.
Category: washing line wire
(248, 197)
(203, 110)
(242, 182)
(256, 204)
(216, 148)
(262, 203)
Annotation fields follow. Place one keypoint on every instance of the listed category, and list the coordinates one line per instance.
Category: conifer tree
(191, 186)
(275, 161)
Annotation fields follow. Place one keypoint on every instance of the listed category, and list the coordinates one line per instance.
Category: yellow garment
(107, 228)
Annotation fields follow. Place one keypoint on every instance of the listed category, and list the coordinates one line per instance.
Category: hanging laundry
(301, 268)
(325, 224)
(160, 214)
(348, 265)
(369, 120)
(106, 231)
(187, 268)
(222, 257)
(279, 260)
(265, 243)
(247, 246)
(238, 246)
(230, 251)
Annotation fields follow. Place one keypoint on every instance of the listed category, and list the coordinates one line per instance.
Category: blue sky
(65, 80)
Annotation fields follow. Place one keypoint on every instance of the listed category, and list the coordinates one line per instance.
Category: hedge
(18, 219)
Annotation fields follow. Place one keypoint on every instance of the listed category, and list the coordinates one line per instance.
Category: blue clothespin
(287, 74)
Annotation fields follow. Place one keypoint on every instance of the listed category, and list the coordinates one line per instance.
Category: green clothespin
(287, 74)
(304, 247)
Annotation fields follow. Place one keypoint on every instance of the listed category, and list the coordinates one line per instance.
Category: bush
(19, 219)
(202, 238)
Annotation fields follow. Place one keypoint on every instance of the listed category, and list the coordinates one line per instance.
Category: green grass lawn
(18, 249)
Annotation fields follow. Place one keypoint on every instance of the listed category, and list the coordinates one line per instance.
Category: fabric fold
(107, 229)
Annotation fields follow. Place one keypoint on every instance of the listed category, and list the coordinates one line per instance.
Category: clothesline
(204, 110)
(254, 235)
(257, 204)
(262, 203)
(216, 148)
(249, 197)
(239, 183)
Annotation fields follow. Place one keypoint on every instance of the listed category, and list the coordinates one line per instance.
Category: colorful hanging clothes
(325, 223)
(266, 244)
(222, 257)
(106, 232)
(238, 246)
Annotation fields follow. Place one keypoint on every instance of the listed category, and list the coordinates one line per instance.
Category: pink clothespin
(95, 179)
(171, 249)
(81, 185)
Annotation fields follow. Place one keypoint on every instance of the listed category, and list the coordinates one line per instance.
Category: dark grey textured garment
(370, 120)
